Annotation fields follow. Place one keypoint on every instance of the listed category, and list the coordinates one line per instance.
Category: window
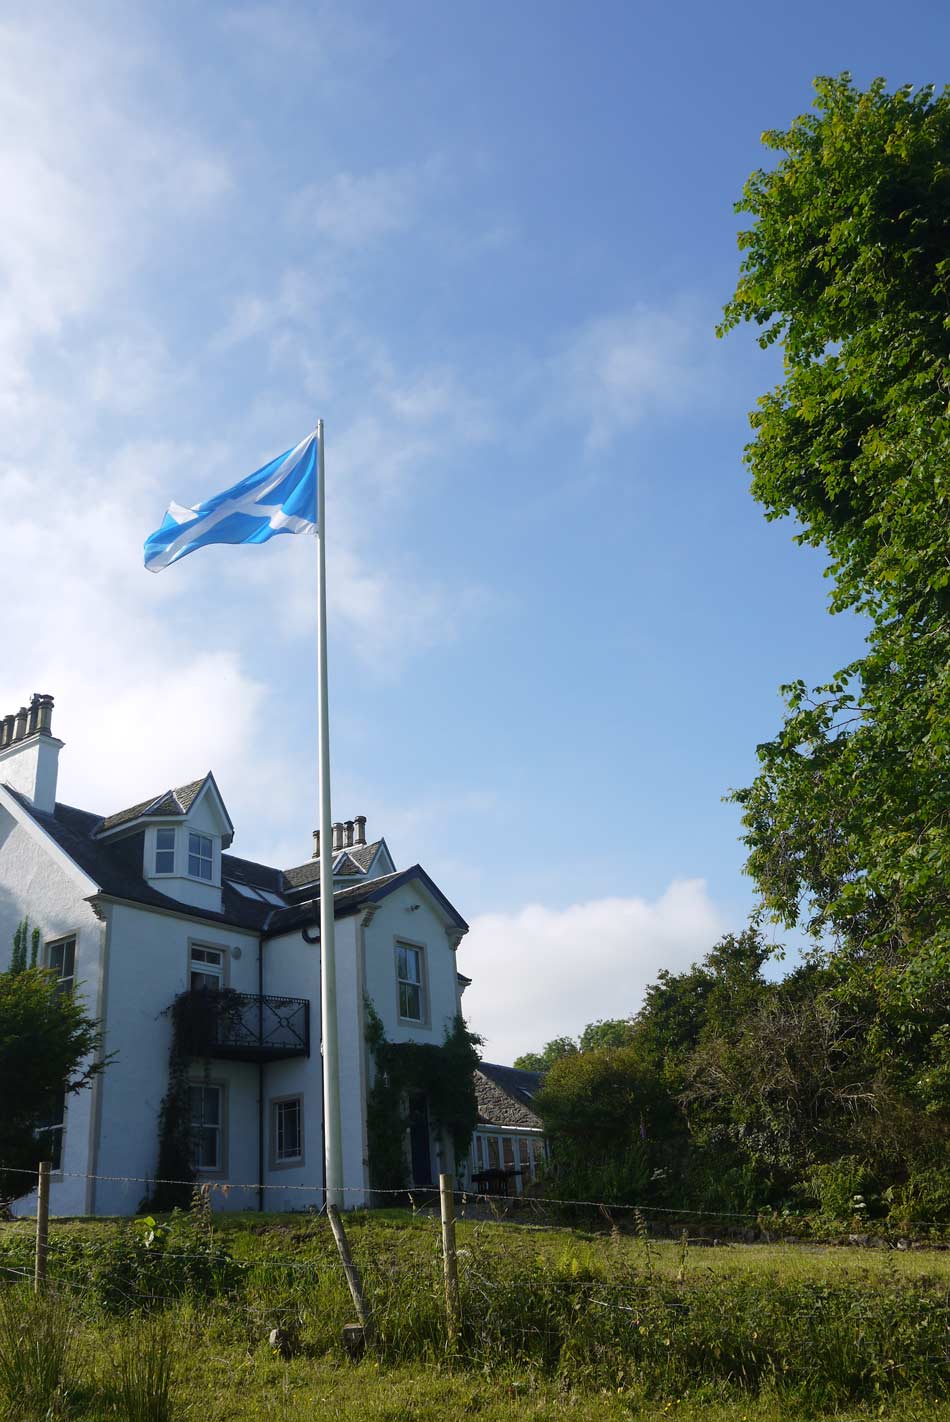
(49, 1131)
(200, 856)
(207, 1152)
(61, 961)
(207, 968)
(493, 1161)
(524, 1160)
(288, 1131)
(409, 978)
(254, 891)
(165, 851)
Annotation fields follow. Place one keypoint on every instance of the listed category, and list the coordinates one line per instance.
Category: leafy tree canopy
(847, 266)
(596, 1036)
(47, 1044)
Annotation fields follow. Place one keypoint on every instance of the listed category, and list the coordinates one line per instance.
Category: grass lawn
(559, 1323)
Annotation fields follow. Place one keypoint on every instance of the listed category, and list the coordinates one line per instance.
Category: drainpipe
(260, 1074)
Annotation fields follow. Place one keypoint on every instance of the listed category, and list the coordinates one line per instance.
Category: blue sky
(488, 244)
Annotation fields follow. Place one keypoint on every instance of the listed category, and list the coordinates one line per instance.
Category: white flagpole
(328, 1017)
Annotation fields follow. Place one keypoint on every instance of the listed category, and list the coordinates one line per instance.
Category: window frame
(55, 1130)
(424, 1020)
(65, 981)
(201, 858)
(206, 1172)
(199, 967)
(276, 1161)
(157, 849)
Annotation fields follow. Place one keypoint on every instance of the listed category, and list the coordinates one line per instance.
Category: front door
(419, 1152)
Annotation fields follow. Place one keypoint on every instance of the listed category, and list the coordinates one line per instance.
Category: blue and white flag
(279, 498)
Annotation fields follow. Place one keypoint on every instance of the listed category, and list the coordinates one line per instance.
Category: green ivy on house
(444, 1073)
(21, 938)
(198, 1019)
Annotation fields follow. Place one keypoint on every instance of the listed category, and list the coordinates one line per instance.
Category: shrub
(924, 1198)
(842, 1189)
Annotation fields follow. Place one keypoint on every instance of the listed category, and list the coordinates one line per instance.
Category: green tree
(47, 1047)
(847, 266)
(605, 1033)
(607, 1117)
(552, 1052)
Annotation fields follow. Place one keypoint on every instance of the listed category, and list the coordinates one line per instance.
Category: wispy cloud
(619, 370)
(354, 209)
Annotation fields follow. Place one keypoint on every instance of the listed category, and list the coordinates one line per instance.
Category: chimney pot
(316, 844)
(338, 834)
(44, 712)
(19, 730)
(348, 829)
(359, 836)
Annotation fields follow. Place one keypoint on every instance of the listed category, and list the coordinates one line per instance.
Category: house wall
(409, 915)
(292, 967)
(34, 884)
(148, 965)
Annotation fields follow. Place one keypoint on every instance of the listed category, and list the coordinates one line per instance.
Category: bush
(924, 1199)
(843, 1189)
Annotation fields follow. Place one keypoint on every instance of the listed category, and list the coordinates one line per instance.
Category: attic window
(200, 856)
(254, 891)
(165, 851)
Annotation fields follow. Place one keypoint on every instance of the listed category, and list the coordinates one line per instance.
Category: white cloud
(620, 370)
(158, 679)
(355, 209)
(540, 973)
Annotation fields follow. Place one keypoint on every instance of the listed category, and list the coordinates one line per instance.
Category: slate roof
(248, 871)
(505, 1095)
(350, 901)
(170, 802)
(309, 873)
(116, 866)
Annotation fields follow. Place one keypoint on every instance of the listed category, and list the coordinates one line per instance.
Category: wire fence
(590, 1306)
(531, 1199)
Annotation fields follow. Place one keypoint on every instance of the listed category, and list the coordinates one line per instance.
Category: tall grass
(37, 1353)
(144, 1371)
(555, 1309)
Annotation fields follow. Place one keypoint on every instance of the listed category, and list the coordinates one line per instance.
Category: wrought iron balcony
(242, 1026)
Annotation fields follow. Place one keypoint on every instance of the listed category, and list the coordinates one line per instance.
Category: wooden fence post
(361, 1303)
(450, 1258)
(42, 1226)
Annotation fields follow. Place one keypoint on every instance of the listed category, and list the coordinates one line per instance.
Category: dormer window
(200, 856)
(165, 851)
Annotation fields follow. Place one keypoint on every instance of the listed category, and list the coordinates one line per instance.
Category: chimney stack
(29, 753)
(347, 834)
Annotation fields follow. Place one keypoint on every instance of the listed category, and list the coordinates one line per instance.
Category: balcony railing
(242, 1026)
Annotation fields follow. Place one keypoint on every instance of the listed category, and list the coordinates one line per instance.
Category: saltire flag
(281, 497)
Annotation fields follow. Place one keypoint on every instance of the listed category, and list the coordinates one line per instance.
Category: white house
(140, 906)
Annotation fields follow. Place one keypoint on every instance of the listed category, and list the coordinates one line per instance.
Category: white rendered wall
(409, 915)
(34, 885)
(292, 968)
(148, 965)
(31, 767)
